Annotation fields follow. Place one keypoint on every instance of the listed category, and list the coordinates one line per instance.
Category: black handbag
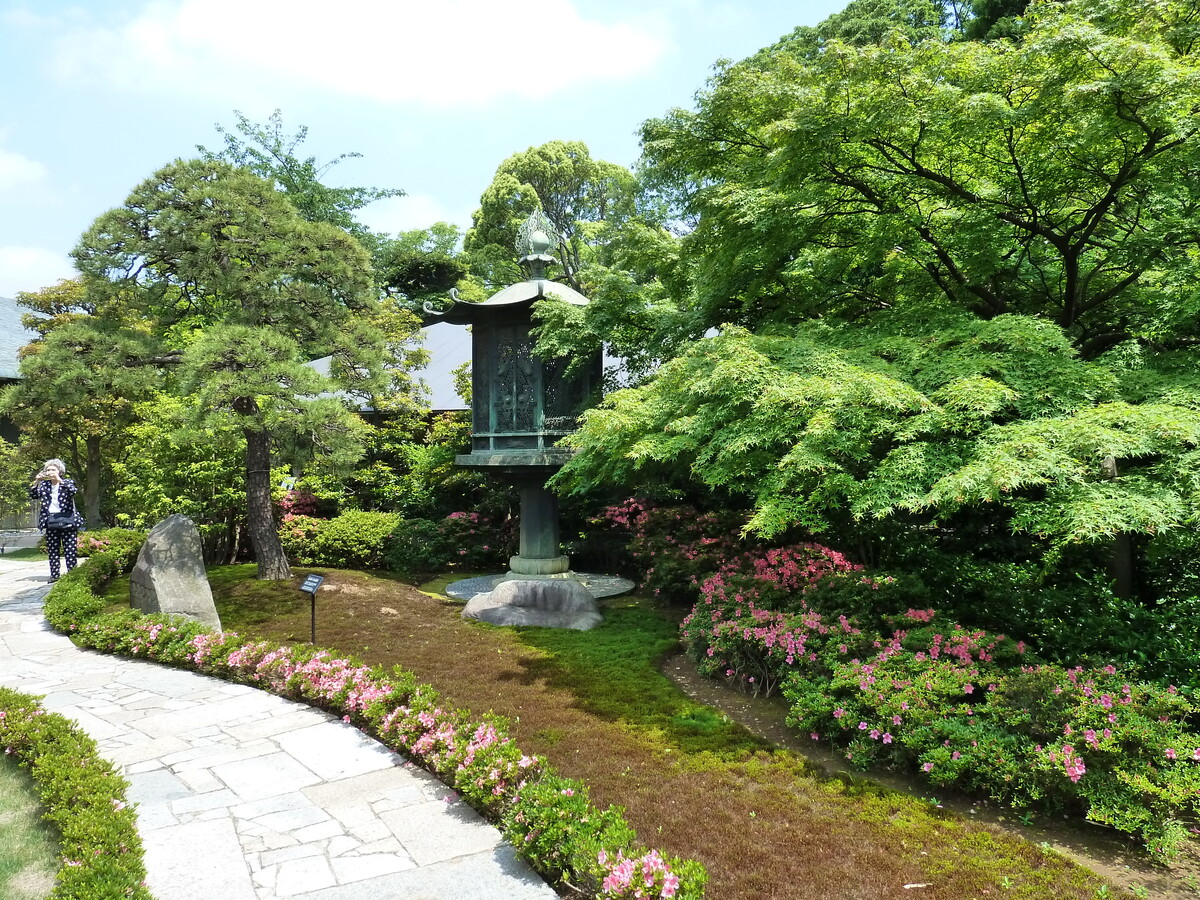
(61, 520)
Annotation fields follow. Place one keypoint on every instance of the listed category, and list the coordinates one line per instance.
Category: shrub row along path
(242, 795)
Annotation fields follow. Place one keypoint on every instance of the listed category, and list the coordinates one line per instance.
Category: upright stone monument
(169, 577)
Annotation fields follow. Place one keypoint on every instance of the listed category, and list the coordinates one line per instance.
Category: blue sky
(94, 96)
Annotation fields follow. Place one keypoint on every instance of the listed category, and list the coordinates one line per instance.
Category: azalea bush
(84, 800)
(121, 540)
(376, 540)
(964, 707)
(674, 548)
(751, 622)
(353, 539)
(474, 756)
(965, 710)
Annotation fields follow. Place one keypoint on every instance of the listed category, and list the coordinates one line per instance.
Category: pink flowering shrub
(644, 876)
(891, 684)
(561, 832)
(297, 503)
(121, 540)
(955, 706)
(675, 548)
(750, 623)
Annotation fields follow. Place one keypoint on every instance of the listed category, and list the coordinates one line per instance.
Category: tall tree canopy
(950, 276)
(268, 152)
(422, 264)
(75, 396)
(614, 247)
(241, 291)
(1051, 178)
(582, 197)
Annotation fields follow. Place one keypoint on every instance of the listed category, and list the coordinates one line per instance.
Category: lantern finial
(535, 239)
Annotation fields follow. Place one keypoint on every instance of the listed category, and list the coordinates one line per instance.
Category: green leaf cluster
(937, 263)
(830, 425)
(1051, 177)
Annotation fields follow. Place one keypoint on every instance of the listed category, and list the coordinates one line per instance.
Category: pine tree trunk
(91, 483)
(272, 563)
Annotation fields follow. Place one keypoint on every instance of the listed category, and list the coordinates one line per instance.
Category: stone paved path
(245, 796)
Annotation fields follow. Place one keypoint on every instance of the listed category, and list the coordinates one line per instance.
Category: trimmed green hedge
(84, 800)
(358, 539)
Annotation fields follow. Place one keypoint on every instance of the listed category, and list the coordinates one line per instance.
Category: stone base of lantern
(599, 586)
(554, 565)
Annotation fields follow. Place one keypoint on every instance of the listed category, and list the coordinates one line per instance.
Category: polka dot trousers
(66, 540)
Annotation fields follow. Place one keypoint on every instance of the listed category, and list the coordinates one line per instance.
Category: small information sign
(310, 585)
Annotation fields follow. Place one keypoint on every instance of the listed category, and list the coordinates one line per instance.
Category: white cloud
(17, 170)
(31, 269)
(409, 212)
(450, 53)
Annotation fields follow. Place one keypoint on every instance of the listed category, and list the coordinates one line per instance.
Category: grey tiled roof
(448, 346)
(12, 337)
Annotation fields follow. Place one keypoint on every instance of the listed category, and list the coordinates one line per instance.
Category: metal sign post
(310, 585)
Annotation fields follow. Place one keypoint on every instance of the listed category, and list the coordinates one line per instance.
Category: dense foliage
(76, 398)
(228, 308)
(360, 539)
(840, 424)
(946, 284)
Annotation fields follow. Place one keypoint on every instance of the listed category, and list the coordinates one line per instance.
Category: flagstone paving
(242, 795)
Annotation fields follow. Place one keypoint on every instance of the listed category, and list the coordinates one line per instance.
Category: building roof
(449, 347)
(13, 336)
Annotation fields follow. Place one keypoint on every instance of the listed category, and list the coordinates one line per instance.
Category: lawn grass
(693, 782)
(28, 850)
(24, 553)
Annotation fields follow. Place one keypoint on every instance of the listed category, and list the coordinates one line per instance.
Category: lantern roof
(535, 238)
(463, 312)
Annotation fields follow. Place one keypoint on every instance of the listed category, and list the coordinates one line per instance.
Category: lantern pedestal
(539, 553)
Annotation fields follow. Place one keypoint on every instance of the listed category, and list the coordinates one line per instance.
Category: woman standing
(57, 515)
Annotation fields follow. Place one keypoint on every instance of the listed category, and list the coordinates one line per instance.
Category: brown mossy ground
(764, 821)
